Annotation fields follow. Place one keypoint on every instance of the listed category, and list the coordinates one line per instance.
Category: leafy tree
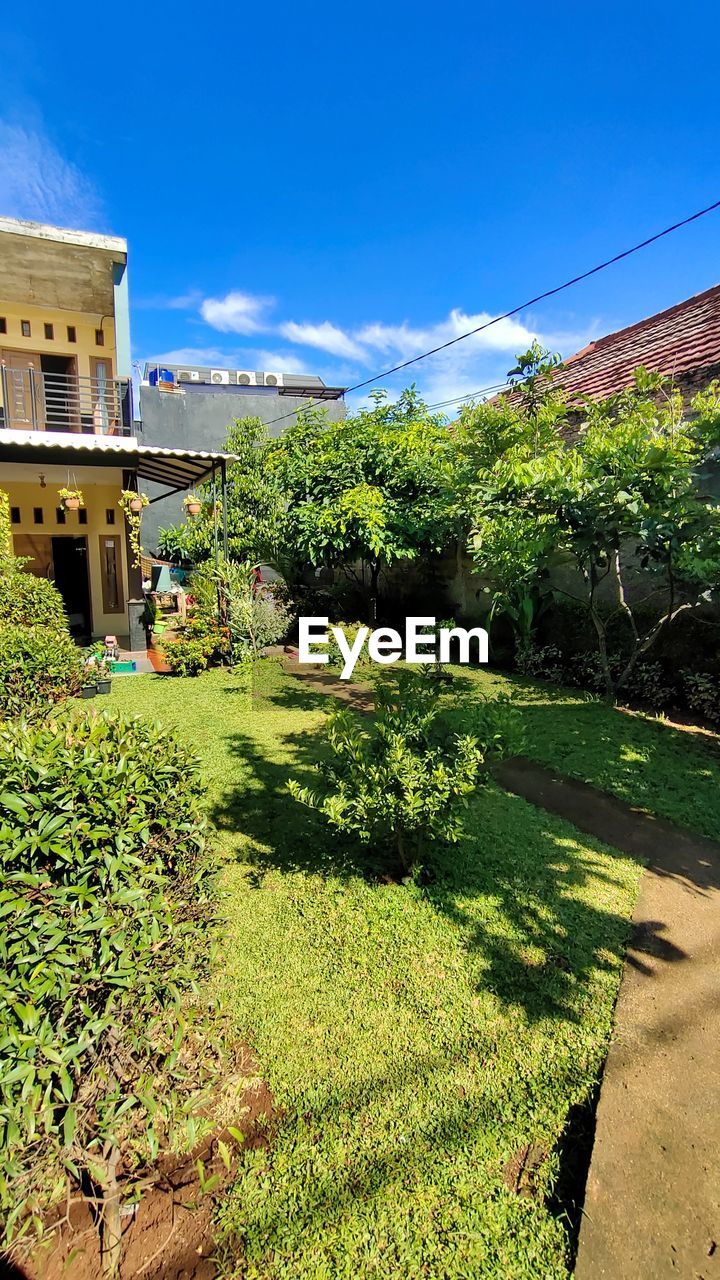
(367, 491)
(621, 501)
(527, 420)
(254, 504)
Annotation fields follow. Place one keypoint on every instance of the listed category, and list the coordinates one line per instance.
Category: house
(191, 407)
(66, 421)
(682, 343)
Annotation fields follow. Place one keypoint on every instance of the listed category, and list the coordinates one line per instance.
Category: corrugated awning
(177, 468)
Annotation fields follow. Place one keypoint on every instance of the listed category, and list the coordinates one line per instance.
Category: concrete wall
(198, 418)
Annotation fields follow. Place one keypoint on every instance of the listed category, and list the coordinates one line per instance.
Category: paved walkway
(652, 1202)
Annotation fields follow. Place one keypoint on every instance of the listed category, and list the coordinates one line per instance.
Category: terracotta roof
(679, 342)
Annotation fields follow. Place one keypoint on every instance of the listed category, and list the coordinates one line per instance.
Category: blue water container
(160, 375)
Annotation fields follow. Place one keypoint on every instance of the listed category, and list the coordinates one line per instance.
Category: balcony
(31, 400)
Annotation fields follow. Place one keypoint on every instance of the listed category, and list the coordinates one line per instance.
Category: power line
(531, 302)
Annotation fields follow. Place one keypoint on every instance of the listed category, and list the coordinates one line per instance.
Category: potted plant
(132, 504)
(192, 504)
(104, 683)
(71, 499)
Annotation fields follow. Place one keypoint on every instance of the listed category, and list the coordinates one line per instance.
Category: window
(99, 338)
(60, 515)
(49, 332)
(3, 324)
(110, 574)
(15, 515)
(82, 516)
(38, 517)
(109, 516)
(25, 328)
(72, 333)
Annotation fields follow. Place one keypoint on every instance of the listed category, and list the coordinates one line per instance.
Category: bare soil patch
(169, 1234)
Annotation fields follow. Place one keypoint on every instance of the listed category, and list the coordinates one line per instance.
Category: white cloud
(37, 183)
(236, 313)
(279, 361)
(325, 337)
(159, 302)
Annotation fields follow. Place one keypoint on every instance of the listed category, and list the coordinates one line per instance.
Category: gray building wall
(198, 418)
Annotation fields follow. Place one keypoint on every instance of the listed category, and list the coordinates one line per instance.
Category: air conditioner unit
(273, 380)
(219, 376)
(188, 375)
(246, 379)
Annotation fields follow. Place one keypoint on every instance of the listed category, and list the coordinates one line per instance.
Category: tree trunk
(111, 1222)
(374, 576)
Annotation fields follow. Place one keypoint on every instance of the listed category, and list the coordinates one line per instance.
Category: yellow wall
(98, 499)
(85, 326)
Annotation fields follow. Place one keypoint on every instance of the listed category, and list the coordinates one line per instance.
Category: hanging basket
(193, 508)
(71, 504)
(136, 505)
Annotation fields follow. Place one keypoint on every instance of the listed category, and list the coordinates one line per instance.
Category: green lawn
(415, 1038)
(665, 770)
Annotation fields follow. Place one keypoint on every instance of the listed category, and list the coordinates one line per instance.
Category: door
(105, 416)
(60, 385)
(70, 571)
(23, 389)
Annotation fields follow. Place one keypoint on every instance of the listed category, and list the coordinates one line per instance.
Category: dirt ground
(169, 1234)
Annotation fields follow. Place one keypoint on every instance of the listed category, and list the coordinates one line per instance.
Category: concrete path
(652, 1201)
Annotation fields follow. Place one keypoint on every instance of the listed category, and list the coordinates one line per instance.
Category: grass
(415, 1038)
(665, 770)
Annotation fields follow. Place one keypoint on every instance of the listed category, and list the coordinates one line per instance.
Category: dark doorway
(62, 407)
(70, 571)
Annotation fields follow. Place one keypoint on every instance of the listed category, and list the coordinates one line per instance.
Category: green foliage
(27, 601)
(252, 614)
(187, 654)
(38, 667)
(623, 493)
(254, 504)
(702, 692)
(406, 776)
(6, 542)
(106, 914)
(368, 489)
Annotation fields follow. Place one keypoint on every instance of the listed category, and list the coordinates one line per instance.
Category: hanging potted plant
(71, 499)
(132, 504)
(192, 504)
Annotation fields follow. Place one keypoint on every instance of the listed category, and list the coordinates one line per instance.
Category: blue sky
(333, 188)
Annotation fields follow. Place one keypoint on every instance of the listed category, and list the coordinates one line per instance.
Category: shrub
(545, 661)
(27, 601)
(271, 616)
(403, 777)
(187, 655)
(38, 667)
(335, 657)
(106, 915)
(702, 692)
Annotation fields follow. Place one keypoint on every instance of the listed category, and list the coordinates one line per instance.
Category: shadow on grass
(533, 899)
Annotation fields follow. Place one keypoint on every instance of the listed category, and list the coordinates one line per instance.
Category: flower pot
(193, 508)
(88, 691)
(103, 686)
(71, 504)
(136, 505)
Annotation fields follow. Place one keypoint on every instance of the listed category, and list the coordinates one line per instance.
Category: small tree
(255, 504)
(401, 779)
(621, 500)
(369, 490)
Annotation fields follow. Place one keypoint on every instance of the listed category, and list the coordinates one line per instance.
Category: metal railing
(36, 401)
